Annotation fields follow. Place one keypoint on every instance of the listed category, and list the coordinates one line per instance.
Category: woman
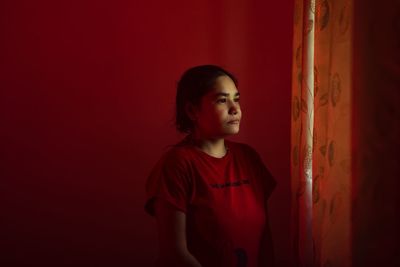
(209, 195)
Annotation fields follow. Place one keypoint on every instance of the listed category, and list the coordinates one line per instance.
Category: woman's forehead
(224, 84)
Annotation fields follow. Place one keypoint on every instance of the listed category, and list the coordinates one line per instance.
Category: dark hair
(193, 85)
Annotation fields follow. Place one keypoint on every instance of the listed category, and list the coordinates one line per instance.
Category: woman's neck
(212, 146)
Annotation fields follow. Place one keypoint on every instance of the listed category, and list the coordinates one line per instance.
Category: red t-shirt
(223, 199)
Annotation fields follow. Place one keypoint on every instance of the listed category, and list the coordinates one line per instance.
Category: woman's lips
(234, 122)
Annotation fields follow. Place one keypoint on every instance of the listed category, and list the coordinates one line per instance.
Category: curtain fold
(321, 133)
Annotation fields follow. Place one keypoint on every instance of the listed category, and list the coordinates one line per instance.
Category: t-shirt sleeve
(169, 181)
(267, 180)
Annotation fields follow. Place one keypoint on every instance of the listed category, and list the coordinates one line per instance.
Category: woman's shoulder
(174, 160)
(176, 154)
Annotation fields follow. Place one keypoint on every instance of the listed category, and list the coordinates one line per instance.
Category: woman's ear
(191, 111)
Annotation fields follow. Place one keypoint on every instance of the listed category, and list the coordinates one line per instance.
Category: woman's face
(219, 114)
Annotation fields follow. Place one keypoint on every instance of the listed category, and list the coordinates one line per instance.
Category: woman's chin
(232, 131)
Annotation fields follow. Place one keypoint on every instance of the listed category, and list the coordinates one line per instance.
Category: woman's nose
(233, 109)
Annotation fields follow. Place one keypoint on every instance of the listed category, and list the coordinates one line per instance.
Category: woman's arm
(171, 226)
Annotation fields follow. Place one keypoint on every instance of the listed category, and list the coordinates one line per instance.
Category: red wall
(86, 106)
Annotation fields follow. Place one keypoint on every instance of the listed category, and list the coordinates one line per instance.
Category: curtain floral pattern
(321, 139)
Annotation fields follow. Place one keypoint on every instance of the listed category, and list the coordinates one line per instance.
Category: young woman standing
(209, 195)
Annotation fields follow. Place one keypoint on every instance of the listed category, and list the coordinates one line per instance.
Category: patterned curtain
(321, 133)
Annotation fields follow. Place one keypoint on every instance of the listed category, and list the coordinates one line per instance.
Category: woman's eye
(222, 100)
(237, 99)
